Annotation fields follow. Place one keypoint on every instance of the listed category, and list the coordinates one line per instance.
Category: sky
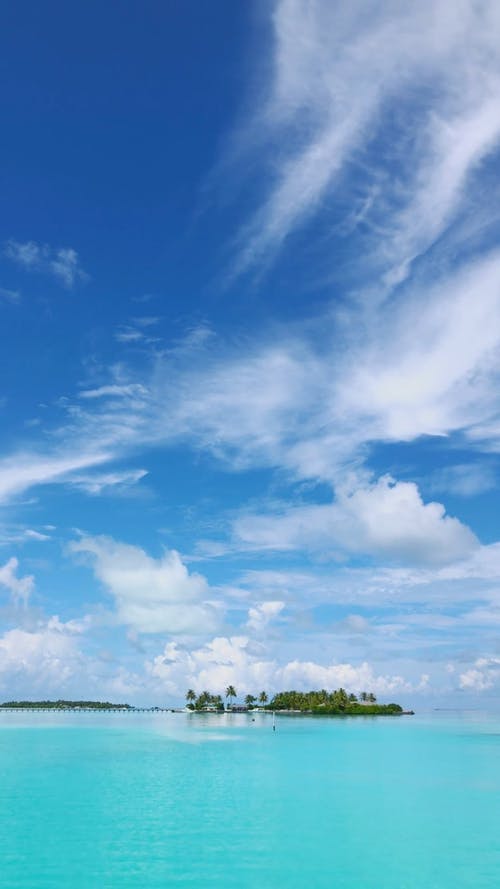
(250, 349)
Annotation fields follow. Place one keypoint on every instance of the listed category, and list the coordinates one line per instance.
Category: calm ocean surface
(131, 800)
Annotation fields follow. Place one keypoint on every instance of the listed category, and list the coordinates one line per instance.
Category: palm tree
(250, 701)
(364, 696)
(263, 698)
(217, 702)
(372, 698)
(203, 700)
(190, 696)
(231, 693)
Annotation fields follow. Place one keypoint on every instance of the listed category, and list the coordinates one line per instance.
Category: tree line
(206, 699)
(323, 701)
(64, 705)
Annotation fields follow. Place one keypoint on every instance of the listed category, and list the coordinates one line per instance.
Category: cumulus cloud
(151, 595)
(48, 658)
(237, 661)
(386, 519)
(62, 263)
(262, 614)
(355, 678)
(482, 676)
(217, 664)
(19, 587)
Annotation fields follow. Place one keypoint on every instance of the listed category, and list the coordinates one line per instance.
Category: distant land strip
(63, 705)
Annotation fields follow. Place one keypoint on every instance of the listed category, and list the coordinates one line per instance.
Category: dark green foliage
(65, 705)
(206, 701)
(335, 702)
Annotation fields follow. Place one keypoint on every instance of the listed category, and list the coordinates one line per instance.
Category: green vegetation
(204, 701)
(322, 702)
(333, 703)
(64, 705)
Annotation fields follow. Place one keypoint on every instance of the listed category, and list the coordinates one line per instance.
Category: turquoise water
(220, 801)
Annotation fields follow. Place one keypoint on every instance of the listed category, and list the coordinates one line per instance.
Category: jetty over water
(89, 710)
(67, 707)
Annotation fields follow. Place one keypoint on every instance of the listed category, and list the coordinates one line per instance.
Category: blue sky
(250, 332)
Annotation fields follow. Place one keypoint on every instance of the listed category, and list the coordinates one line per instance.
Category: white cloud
(129, 335)
(146, 320)
(309, 401)
(48, 658)
(114, 390)
(15, 533)
(353, 624)
(65, 265)
(457, 145)
(463, 479)
(429, 365)
(260, 615)
(336, 76)
(237, 661)
(214, 666)
(75, 626)
(24, 470)
(29, 254)
(31, 534)
(19, 587)
(354, 678)
(62, 263)
(426, 366)
(386, 519)
(151, 595)
(97, 483)
(136, 331)
(482, 676)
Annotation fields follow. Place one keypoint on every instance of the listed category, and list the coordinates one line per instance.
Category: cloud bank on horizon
(291, 477)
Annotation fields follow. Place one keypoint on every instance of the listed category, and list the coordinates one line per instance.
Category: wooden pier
(90, 710)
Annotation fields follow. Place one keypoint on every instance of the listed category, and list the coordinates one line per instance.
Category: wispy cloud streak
(63, 263)
(407, 93)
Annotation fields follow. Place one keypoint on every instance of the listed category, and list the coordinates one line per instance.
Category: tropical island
(334, 703)
(63, 705)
